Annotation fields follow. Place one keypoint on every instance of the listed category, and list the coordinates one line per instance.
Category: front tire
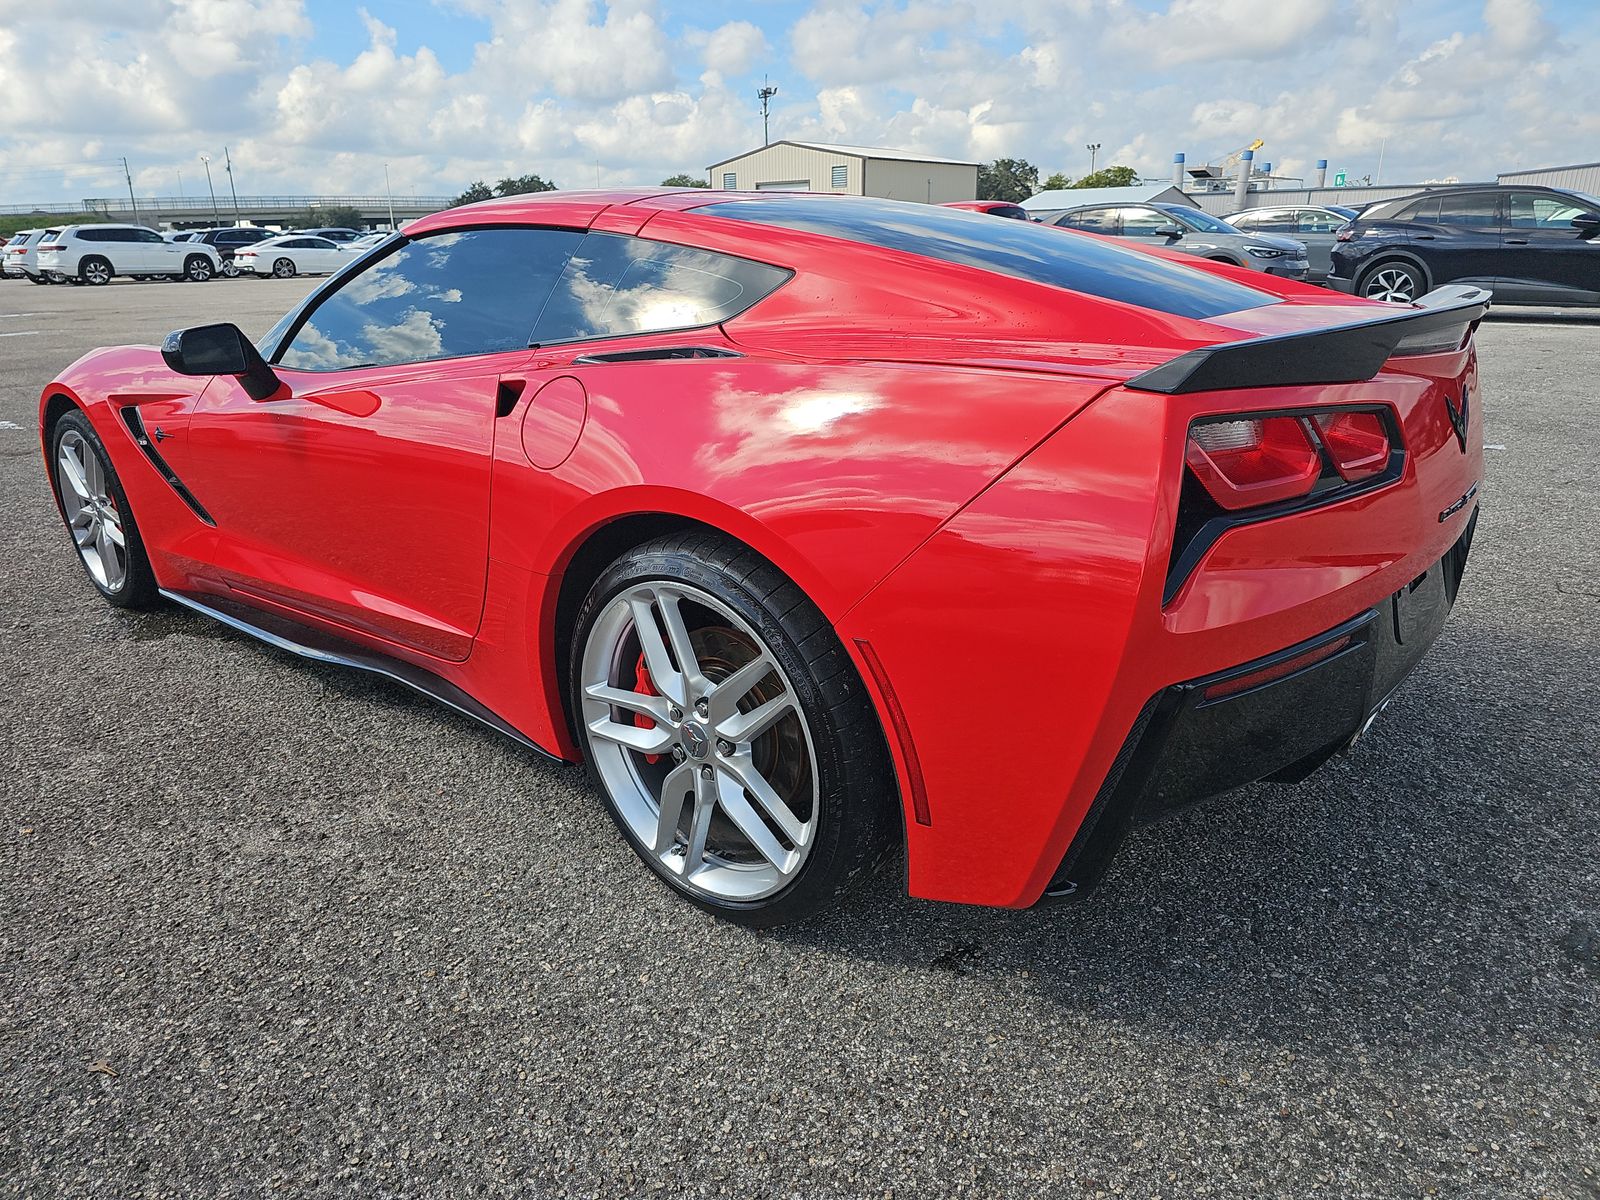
(97, 514)
(95, 271)
(1394, 282)
(283, 268)
(723, 721)
(197, 268)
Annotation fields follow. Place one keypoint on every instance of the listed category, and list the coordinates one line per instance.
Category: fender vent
(135, 423)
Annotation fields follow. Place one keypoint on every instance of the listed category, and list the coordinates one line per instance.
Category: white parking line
(26, 314)
(9, 425)
(21, 333)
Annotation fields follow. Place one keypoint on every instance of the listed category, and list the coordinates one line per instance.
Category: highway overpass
(195, 212)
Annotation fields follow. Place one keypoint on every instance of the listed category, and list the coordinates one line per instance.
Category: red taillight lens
(1345, 234)
(1356, 441)
(51, 246)
(1247, 463)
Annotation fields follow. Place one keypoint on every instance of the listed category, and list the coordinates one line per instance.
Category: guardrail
(226, 205)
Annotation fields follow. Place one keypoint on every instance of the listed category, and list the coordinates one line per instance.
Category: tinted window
(143, 235)
(1143, 222)
(1278, 221)
(1094, 220)
(96, 235)
(1016, 248)
(1476, 210)
(1530, 210)
(1015, 211)
(1426, 209)
(616, 284)
(453, 294)
(1316, 220)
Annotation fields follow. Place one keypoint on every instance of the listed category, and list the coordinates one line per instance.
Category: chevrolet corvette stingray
(815, 526)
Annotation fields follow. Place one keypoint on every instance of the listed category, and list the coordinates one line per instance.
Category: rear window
(1020, 249)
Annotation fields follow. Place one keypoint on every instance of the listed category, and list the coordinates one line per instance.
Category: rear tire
(95, 271)
(98, 517)
(1394, 282)
(283, 268)
(778, 798)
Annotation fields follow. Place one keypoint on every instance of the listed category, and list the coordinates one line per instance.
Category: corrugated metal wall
(1585, 177)
(1220, 204)
(790, 164)
(928, 182)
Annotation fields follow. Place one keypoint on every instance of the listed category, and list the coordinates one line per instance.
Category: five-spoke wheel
(721, 718)
(97, 516)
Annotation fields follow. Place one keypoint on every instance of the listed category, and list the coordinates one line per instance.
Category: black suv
(1528, 245)
(226, 241)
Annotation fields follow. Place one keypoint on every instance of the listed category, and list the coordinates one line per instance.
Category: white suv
(94, 253)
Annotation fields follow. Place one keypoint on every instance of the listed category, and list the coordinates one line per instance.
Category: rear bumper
(1277, 718)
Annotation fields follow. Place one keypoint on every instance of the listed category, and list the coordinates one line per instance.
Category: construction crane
(1212, 175)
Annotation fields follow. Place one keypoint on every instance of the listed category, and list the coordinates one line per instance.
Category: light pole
(227, 158)
(766, 94)
(388, 191)
(215, 211)
(1094, 149)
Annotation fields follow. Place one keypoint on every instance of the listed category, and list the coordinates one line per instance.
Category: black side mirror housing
(1587, 224)
(221, 350)
(1169, 231)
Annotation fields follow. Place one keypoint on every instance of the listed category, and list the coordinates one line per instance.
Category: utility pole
(128, 175)
(180, 185)
(388, 191)
(766, 94)
(215, 211)
(227, 158)
(1094, 149)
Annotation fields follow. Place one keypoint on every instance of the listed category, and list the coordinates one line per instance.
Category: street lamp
(388, 191)
(1093, 148)
(215, 211)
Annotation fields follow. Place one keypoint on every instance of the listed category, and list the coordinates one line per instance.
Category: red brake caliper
(645, 686)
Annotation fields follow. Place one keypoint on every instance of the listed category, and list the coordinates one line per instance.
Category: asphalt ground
(324, 938)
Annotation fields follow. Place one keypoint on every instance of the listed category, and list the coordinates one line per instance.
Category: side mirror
(1173, 230)
(1587, 224)
(220, 350)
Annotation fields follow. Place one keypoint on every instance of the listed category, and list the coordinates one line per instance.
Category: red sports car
(814, 525)
(994, 208)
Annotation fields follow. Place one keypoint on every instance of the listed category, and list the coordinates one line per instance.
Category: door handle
(507, 395)
(1424, 237)
(1516, 241)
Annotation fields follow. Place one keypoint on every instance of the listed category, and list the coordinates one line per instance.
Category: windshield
(1195, 219)
(1349, 214)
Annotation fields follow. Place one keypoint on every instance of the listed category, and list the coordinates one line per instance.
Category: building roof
(1143, 193)
(1544, 170)
(878, 152)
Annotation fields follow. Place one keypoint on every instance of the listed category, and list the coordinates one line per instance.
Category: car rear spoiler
(1346, 353)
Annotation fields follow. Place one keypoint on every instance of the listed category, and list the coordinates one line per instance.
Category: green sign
(1338, 180)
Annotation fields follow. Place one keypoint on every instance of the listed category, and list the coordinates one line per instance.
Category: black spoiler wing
(1345, 353)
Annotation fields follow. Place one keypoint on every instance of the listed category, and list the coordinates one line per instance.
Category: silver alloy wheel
(96, 272)
(230, 269)
(92, 514)
(716, 776)
(283, 268)
(198, 269)
(1392, 284)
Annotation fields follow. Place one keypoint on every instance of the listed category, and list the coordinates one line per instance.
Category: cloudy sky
(316, 95)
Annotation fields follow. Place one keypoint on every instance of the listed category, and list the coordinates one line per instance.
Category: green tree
(332, 216)
(1109, 177)
(1009, 179)
(683, 181)
(1056, 182)
(522, 185)
(478, 190)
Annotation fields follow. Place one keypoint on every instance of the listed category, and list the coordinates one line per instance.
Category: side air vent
(135, 423)
(658, 353)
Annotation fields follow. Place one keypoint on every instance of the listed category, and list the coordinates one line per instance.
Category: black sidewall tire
(856, 799)
(139, 588)
(197, 269)
(284, 262)
(83, 272)
(1419, 285)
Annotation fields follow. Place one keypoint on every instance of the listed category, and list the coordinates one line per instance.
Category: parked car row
(1527, 245)
(96, 254)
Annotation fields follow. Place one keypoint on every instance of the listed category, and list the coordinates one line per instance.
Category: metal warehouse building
(847, 170)
(1581, 177)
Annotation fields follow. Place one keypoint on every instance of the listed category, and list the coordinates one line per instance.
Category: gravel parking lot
(276, 929)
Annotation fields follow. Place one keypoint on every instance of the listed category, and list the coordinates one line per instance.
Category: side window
(93, 235)
(1425, 210)
(616, 284)
(1093, 220)
(145, 235)
(1248, 221)
(1143, 222)
(1530, 210)
(1474, 210)
(477, 291)
(1315, 220)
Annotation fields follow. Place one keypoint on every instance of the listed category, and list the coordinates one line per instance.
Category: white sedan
(292, 255)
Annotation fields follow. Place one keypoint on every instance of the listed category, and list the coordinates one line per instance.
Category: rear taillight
(1345, 234)
(51, 246)
(1253, 461)
(1357, 442)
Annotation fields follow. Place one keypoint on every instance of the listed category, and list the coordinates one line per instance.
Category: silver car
(1182, 227)
(1313, 224)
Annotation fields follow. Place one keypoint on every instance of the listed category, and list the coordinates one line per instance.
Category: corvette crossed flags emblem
(1458, 417)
